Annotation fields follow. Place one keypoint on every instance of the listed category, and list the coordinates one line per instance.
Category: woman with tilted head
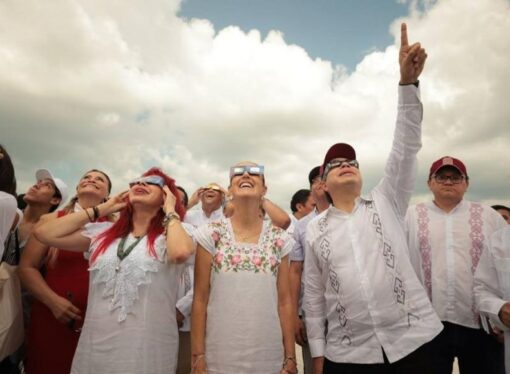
(130, 325)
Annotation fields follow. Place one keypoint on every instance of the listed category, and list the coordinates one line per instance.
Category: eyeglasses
(250, 169)
(337, 163)
(154, 180)
(455, 179)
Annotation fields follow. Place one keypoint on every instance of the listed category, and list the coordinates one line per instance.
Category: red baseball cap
(338, 150)
(448, 161)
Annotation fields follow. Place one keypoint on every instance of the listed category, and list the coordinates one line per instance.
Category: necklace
(121, 253)
(245, 237)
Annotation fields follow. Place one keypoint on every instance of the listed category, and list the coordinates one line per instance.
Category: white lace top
(130, 324)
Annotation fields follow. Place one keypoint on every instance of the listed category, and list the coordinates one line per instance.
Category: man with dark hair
(301, 204)
(183, 196)
(446, 237)
(297, 257)
(504, 211)
(360, 286)
(46, 195)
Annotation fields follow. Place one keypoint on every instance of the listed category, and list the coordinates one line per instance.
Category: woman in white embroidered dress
(130, 322)
(242, 309)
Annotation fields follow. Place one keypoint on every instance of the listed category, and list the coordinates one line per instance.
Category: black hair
(300, 197)
(185, 198)
(501, 207)
(314, 173)
(7, 175)
(57, 194)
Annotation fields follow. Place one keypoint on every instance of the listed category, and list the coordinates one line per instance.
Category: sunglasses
(212, 187)
(154, 180)
(337, 163)
(250, 169)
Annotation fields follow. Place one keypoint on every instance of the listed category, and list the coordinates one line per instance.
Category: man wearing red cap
(358, 277)
(446, 237)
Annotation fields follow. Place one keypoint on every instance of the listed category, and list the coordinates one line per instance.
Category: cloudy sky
(194, 86)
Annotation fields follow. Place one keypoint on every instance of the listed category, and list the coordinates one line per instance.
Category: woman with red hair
(130, 323)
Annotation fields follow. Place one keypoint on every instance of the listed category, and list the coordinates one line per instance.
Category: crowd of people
(225, 281)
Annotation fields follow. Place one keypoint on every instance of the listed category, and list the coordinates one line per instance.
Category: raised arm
(400, 172)
(65, 232)
(277, 215)
(178, 243)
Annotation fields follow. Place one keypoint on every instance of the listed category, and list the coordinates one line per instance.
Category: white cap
(59, 183)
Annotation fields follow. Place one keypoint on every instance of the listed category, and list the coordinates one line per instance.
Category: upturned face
(343, 174)
(43, 192)
(94, 182)
(246, 184)
(212, 196)
(147, 191)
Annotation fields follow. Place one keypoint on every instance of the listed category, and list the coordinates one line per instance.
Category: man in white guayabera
(358, 277)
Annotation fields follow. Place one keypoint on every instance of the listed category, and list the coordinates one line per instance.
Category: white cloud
(98, 84)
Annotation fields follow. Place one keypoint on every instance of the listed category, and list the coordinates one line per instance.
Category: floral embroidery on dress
(233, 256)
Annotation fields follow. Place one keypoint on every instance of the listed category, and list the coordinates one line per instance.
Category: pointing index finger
(403, 35)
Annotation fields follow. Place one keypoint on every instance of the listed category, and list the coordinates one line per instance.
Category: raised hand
(411, 58)
(170, 200)
(114, 204)
(195, 198)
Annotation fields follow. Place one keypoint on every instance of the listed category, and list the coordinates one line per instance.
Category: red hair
(124, 225)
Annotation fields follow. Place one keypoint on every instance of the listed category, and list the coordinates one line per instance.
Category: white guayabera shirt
(492, 283)
(358, 276)
(445, 249)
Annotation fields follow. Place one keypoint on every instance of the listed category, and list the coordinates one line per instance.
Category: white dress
(243, 333)
(130, 324)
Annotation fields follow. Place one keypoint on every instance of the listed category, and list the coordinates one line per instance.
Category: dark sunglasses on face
(250, 169)
(154, 180)
(337, 163)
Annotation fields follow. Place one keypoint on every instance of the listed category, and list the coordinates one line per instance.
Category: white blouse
(130, 324)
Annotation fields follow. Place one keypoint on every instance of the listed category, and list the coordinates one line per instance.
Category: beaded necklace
(121, 253)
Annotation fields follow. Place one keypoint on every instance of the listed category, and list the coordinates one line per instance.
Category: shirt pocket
(503, 270)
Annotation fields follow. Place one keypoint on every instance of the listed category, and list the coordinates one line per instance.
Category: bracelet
(96, 212)
(286, 361)
(169, 217)
(197, 357)
(88, 215)
(289, 358)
